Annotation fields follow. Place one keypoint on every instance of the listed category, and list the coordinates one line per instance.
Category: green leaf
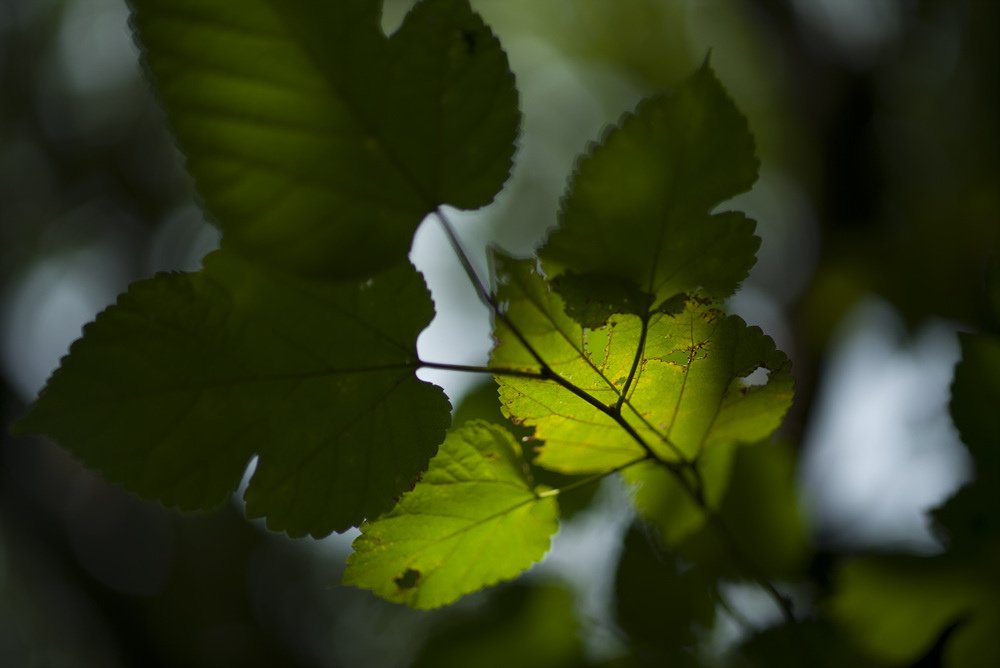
(316, 142)
(975, 398)
(970, 519)
(520, 625)
(808, 642)
(755, 498)
(172, 390)
(896, 607)
(474, 519)
(688, 394)
(663, 604)
(591, 300)
(639, 206)
(481, 404)
(667, 505)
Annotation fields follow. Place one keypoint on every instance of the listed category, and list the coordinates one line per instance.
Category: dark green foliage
(173, 390)
(639, 205)
(318, 144)
(296, 342)
(664, 604)
(522, 625)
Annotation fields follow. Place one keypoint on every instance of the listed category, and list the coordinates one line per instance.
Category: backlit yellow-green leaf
(473, 520)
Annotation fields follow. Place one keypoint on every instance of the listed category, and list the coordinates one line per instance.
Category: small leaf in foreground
(171, 391)
(638, 208)
(474, 519)
(318, 143)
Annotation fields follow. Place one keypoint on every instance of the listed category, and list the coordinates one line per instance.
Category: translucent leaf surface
(172, 390)
(689, 392)
(474, 519)
(315, 141)
(638, 208)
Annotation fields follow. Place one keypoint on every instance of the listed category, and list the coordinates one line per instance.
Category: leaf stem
(639, 350)
(471, 368)
(547, 373)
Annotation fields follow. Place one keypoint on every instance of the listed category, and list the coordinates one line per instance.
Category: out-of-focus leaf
(473, 520)
(171, 391)
(664, 605)
(316, 142)
(811, 643)
(974, 401)
(667, 505)
(523, 626)
(896, 607)
(689, 392)
(591, 300)
(760, 512)
(638, 208)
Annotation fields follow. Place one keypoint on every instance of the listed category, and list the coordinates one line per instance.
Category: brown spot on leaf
(408, 580)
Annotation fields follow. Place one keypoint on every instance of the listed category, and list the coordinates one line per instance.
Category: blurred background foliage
(877, 124)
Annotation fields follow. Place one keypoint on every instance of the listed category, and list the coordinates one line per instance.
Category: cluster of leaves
(318, 144)
(296, 343)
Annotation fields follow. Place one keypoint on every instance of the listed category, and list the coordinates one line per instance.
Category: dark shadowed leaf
(318, 143)
(638, 208)
(664, 605)
(975, 398)
(811, 643)
(172, 390)
(758, 507)
(896, 608)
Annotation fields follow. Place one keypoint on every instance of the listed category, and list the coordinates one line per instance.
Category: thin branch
(546, 371)
(495, 371)
(694, 488)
